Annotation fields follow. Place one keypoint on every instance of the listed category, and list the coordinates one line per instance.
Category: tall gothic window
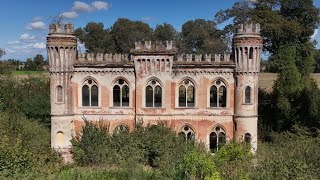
(217, 138)
(59, 94)
(90, 93)
(153, 94)
(218, 94)
(186, 94)
(186, 133)
(247, 94)
(121, 94)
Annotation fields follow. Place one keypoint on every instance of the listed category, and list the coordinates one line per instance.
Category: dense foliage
(200, 36)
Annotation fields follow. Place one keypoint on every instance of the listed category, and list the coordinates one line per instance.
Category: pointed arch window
(247, 95)
(217, 138)
(153, 94)
(90, 93)
(186, 133)
(121, 94)
(121, 129)
(59, 94)
(218, 94)
(186, 94)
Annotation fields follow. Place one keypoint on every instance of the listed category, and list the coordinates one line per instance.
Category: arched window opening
(222, 96)
(153, 94)
(90, 93)
(217, 138)
(59, 139)
(218, 94)
(186, 94)
(248, 94)
(186, 133)
(247, 138)
(59, 94)
(121, 129)
(85, 95)
(121, 93)
(251, 53)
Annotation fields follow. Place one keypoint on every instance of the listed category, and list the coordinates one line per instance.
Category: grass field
(266, 80)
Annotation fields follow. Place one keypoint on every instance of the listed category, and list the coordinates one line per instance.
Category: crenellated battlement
(206, 58)
(249, 28)
(154, 47)
(57, 28)
(101, 58)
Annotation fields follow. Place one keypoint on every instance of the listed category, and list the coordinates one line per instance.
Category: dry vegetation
(266, 80)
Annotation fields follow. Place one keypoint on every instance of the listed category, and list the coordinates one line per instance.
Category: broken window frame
(187, 98)
(153, 94)
(92, 96)
(220, 139)
(124, 93)
(218, 98)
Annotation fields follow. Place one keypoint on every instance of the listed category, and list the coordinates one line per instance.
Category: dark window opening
(247, 138)
(116, 96)
(125, 95)
(217, 139)
(157, 96)
(182, 96)
(59, 94)
(85, 96)
(94, 95)
(149, 96)
(248, 94)
(213, 96)
(222, 96)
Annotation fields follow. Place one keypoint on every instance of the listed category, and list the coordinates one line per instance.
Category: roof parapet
(150, 47)
(249, 28)
(57, 29)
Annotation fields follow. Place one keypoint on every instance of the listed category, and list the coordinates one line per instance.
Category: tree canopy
(200, 36)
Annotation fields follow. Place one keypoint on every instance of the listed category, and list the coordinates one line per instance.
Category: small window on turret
(247, 95)
(59, 94)
(251, 53)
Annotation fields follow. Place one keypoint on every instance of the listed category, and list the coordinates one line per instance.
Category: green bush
(25, 147)
(234, 160)
(197, 164)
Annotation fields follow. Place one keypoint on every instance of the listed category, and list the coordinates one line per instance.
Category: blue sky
(25, 22)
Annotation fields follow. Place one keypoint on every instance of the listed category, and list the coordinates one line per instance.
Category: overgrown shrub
(234, 160)
(25, 148)
(290, 155)
(197, 164)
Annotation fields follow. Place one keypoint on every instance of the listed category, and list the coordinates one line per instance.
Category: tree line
(196, 36)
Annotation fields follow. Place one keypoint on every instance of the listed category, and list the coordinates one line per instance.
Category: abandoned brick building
(212, 98)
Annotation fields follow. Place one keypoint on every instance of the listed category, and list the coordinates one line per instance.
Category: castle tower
(61, 49)
(247, 47)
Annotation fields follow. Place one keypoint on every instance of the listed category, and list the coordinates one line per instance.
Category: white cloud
(69, 15)
(100, 5)
(27, 37)
(36, 25)
(81, 7)
(315, 34)
(13, 42)
(39, 45)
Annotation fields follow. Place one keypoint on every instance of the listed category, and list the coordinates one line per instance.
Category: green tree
(201, 36)
(125, 32)
(95, 38)
(38, 62)
(2, 52)
(164, 32)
